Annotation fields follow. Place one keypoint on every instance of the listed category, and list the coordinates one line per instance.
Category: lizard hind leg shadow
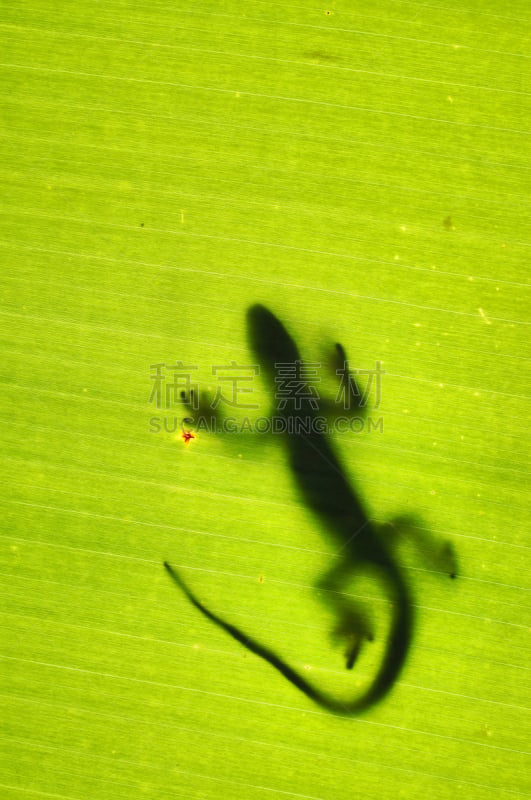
(436, 553)
(352, 626)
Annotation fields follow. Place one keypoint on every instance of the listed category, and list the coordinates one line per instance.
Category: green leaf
(359, 169)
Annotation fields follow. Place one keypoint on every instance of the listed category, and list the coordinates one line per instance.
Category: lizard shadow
(362, 545)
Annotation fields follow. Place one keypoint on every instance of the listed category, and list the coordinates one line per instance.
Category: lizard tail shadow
(393, 660)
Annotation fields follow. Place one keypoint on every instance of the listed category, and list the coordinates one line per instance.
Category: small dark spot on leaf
(448, 224)
(141, 224)
(318, 55)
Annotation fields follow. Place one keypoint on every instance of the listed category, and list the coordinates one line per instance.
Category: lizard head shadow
(268, 339)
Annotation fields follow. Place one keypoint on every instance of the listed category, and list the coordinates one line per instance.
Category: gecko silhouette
(363, 546)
